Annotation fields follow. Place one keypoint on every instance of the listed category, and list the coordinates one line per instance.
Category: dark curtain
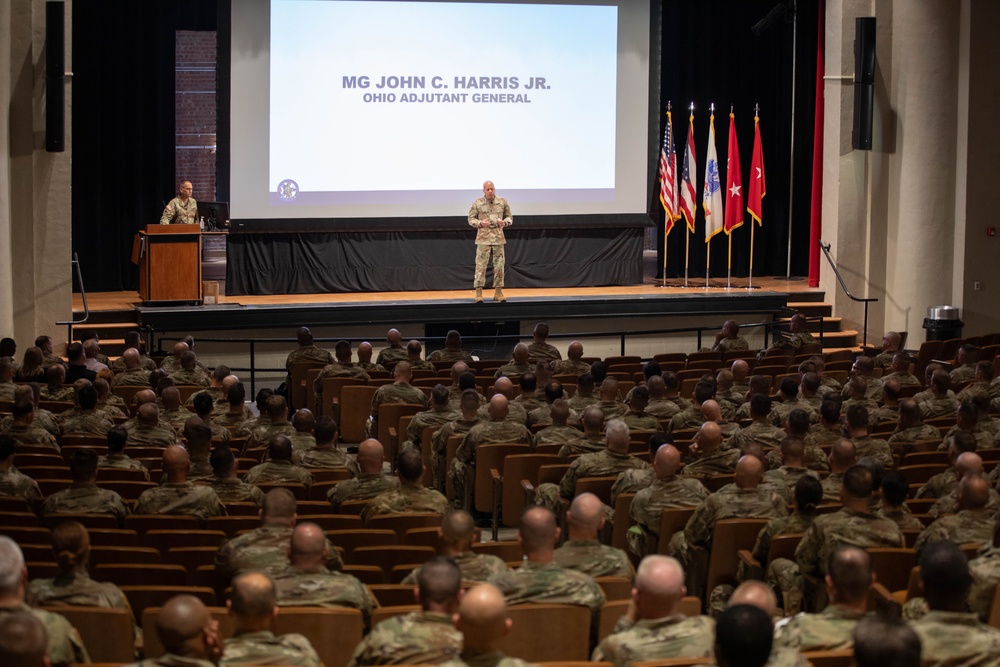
(709, 54)
(393, 261)
(123, 126)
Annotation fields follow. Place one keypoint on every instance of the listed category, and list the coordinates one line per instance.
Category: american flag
(668, 176)
(688, 190)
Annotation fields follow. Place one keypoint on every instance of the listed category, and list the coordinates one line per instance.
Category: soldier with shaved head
(582, 549)
(468, 405)
(972, 524)
(573, 364)
(559, 431)
(411, 496)
(279, 469)
(653, 628)
(591, 440)
(178, 495)
(456, 536)
(400, 391)
(370, 481)
(497, 430)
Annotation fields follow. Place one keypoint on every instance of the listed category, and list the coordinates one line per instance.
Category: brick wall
(196, 110)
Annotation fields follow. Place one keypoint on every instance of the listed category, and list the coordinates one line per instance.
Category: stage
(769, 297)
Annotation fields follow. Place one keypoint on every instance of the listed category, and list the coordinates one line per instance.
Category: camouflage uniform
(612, 409)
(921, 431)
(121, 462)
(369, 367)
(830, 630)
(948, 504)
(780, 412)
(643, 422)
(451, 356)
(984, 439)
(598, 464)
(439, 446)
(544, 352)
(409, 497)
(831, 487)
(62, 393)
(65, 647)
(965, 373)
(719, 462)
(326, 457)
(262, 434)
(595, 559)
(845, 526)
(587, 443)
(175, 418)
(15, 483)
(569, 367)
(939, 407)
(188, 378)
(418, 364)
(902, 518)
(966, 527)
(939, 485)
(264, 648)
(84, 422)
(556, 435)
(662, 408)
(581, 402)
(527, 403)
(985, 572)
(887, 413)
(397, 392)
(31, 435)
(264, 549)
(433, 417)
(75, 589)
(85, 498)
(301, 588)
(649, 503)
(737, 344)
(495, 658)
(151, 436)
(185, 498)
(485, 433)
(307, 353)
(759, 431)
(513, 370)
(490, 239)
(237, 419)
(214, 392)
(675, 636)
(824, 435)
(813, 457)
(476, 568)
(632, 481)
(550, 583)
(7, 390)
(362, 487)
(874, 447)
(302, 442)
(786, 477)
(335, 369)
(782, 573)
(137, 377)
(956, 638)
(390, 356)
(731, 503)
(516, 413)
(975, 387)
(687, 419)
(236, 491)
(417, 638)
(278, 472)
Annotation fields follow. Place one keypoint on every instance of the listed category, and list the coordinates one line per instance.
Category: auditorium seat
(380, 614)
(142, 523)
(124, 555)
(388, 556)
(391, 595)
(359, 537)
(423, 537)
(615, 588)
(334, 648)
(366, 574)
(672, 521)
(507, 551)
(144, 574)
(729, 536)
(518, 467)
(548, 632)
(164, 540)
(838, 658)
(141, 597)
(191, 558)
(355, 407)
(401, 522)
(97, 442)
(232, 525)
(298, 490)
(116, 537)
(353, 506)
(19, 520)
(108, 634)
(89, 521)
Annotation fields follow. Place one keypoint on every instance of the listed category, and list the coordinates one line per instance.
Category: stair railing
(840, 279)
(83, 295)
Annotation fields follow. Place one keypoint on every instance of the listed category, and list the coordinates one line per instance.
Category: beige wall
(35, 253)
(908, 219)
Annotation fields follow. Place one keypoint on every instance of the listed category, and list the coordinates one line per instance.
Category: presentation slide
(372, 109)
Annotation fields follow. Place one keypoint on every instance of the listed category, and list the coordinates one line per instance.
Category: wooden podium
(169, 259)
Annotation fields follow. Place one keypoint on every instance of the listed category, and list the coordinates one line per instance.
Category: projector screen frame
(442, 223)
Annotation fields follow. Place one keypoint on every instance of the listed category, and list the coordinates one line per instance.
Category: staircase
(812, 304)
(111, 326)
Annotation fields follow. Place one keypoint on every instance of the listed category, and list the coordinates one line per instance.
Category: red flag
(734, 182)
(688, 191)
(668, 177)
(757, 188)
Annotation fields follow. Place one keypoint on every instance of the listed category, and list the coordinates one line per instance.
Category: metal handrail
(826, 251)
(83, 295)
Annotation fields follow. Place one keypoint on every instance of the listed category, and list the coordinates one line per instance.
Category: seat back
(333, 393)
(623, 521)
(729, 536)
(491, 457)
(142, 597)
(355, 407)
(839, 658)
(389, 556)
(297, 383)
(508, 551)
(334, 648)
(350, 540)
(994, 615)
(599, 486)
(783, 546)
(401, 522)
(107, 633)
(544, 632)
(615, 588)
(672, 521)
(388, 417)
(892, 566)
(518, 467)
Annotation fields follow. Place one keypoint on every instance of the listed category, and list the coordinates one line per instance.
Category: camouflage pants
(457, 474)
(784, 575)
(482, 258)
(547, 495)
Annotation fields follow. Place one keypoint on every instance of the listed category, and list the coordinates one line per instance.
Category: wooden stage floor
(118, 301)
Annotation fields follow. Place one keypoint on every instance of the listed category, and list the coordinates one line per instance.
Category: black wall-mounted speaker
(55, 68)
(864, 82)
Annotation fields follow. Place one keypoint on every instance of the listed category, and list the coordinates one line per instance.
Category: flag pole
(667, 214)
(729, 260)
(708, 241)
(756, 119)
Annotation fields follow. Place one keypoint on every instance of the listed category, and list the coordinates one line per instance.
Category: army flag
(757, 188)
(711, 197)
(734, 182)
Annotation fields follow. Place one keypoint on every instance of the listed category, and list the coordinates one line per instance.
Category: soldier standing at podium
(182, 209)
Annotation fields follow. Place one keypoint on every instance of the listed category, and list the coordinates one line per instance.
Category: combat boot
(498, 295)
(479, 295)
